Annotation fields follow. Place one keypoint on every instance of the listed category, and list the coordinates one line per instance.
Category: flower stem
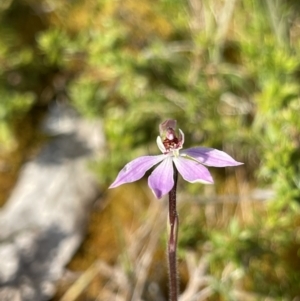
(172, 243)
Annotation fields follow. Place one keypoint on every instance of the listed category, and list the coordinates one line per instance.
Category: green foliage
(14, 102)
(11, 104)
(261, 263)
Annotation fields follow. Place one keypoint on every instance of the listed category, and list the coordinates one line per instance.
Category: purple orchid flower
(189, 162)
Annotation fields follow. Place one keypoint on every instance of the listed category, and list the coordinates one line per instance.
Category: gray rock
(43, 222)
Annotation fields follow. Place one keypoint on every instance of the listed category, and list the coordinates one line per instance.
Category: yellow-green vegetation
(227, 70)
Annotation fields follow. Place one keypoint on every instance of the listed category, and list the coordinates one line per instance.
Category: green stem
(172, 243)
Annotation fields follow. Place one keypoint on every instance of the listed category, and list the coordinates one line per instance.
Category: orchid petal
(210, 156)
(163, 127)
(135, 169)
(181, 138)
(161, 180)
(160, 145)
(193, 171)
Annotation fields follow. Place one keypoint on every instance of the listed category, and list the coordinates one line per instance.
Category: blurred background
(228, 71)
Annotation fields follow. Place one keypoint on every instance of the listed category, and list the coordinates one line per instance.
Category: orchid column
(189, 163)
